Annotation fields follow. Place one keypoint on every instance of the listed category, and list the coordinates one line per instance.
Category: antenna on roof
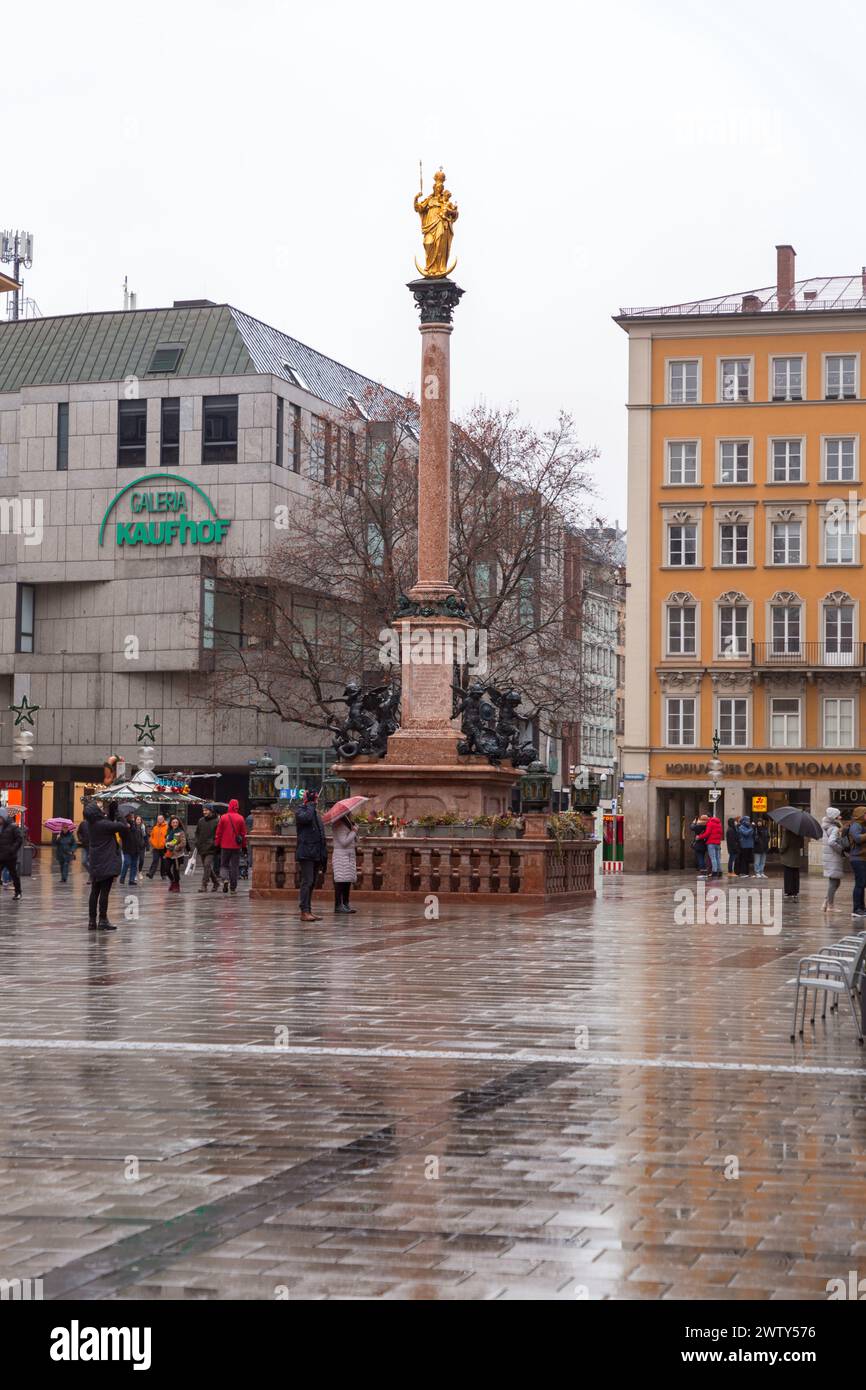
(130, 298)
(17, 247)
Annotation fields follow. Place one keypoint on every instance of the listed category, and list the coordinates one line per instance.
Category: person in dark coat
(64, 852)
(790, 849)
(205, 834)
(311, 851)
(105, 859)
(143, 841)
(82, 835)
(11, 840)
(732, 841)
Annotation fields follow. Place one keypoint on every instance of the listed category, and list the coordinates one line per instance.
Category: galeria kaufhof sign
(148, 512)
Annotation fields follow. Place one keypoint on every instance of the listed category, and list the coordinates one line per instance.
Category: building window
(131, 434)
(232, 619)
(25, 618)
(841, 377)
(733, 723)
(318, 449)
(839, 629)
(787, 549)
(683, 461)
(681, 722)
(840, 464)
(62, 436)
(838, 722)
(294, 439)
(787, 378)
(785, 723)
(736, 373)
(734, 461)
(280, 426)
(734, 544)
(787, 456)
(786, 629)
(682, 630)
(840, 540)
(219, 429)
(683, 382)
(683, 545)
(169, 438)
(733, 630)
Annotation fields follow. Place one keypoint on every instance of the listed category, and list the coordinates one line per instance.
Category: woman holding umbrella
(796, 826)
(344, 861)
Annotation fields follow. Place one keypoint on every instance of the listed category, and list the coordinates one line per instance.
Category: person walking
(698, 847)
(711, 838)
(105, 858)
(141, 834)
(790, 849)
(205, 835)
(856, 838)
(746, 851)
(176, 846)
(732, 842)
(230, 838)
(11, 840)
(64, 852)
(129, 855)
(344, 864)
(157, 844)
(311, 851)
(762, 845)
(82, 835)
(832, 855)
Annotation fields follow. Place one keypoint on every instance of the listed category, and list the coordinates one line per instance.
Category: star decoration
(24, 712)
(147, 730)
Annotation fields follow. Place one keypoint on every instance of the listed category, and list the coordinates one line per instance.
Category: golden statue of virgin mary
(438, 215)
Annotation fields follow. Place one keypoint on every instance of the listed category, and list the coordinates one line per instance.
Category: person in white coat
(832, 855)
(344, 862)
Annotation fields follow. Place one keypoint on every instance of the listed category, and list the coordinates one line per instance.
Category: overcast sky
(266, 154)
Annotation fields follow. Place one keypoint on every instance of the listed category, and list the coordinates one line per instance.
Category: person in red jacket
(712, 836)
(230, 839)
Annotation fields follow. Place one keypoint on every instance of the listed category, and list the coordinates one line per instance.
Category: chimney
(752, 304)
(785, 258)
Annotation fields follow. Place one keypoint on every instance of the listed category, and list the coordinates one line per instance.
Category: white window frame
(680, 608)
(747, 733)
(720, 447)
(681, 525)
(736, 400)
(735, 563)
(786, 715)
(787, 650)
(825, 373)
(788, 439)
(847, 645)
(734, 653)
(677, 362)
(847, 534)
(838, 700)
(787, 357)
(681, 444)
(826, 441)
(787, 563)
(680, 700)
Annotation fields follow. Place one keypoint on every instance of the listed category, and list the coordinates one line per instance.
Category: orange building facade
(745, 611)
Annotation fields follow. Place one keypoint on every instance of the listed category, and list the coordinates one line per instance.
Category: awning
(7, 283)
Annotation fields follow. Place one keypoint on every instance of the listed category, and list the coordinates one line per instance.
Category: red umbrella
(342, 808)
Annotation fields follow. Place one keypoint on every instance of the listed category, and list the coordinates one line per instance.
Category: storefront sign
(158, 514)
(848, 796)
(759, 803)
(767, 769)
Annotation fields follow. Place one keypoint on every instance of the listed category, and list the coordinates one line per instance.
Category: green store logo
(159, 515)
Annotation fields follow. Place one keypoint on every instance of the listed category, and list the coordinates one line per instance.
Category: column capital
(436, 299)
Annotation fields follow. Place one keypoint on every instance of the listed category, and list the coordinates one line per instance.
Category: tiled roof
(217, 339)
(820, 294)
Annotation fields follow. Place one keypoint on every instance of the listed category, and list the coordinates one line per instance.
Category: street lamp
(262, 786)
(716, 771)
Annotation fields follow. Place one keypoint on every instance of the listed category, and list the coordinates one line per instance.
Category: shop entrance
(678, 807)
(757, 804)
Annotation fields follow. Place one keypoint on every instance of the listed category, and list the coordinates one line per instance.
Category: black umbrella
(798, 822)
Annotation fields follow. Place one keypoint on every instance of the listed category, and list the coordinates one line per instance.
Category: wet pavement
(218, 1102)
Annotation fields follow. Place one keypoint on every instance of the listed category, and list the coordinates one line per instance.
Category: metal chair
(833, 971)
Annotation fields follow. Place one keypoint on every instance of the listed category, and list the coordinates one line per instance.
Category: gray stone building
(137, 449)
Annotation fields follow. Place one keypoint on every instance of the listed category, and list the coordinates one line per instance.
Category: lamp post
(716, 771)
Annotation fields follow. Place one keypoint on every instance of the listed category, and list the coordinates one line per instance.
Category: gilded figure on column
(438, 215)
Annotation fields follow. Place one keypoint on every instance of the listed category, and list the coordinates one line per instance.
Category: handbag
(191, 863)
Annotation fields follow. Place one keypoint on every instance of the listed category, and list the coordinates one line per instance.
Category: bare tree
(334, 580)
